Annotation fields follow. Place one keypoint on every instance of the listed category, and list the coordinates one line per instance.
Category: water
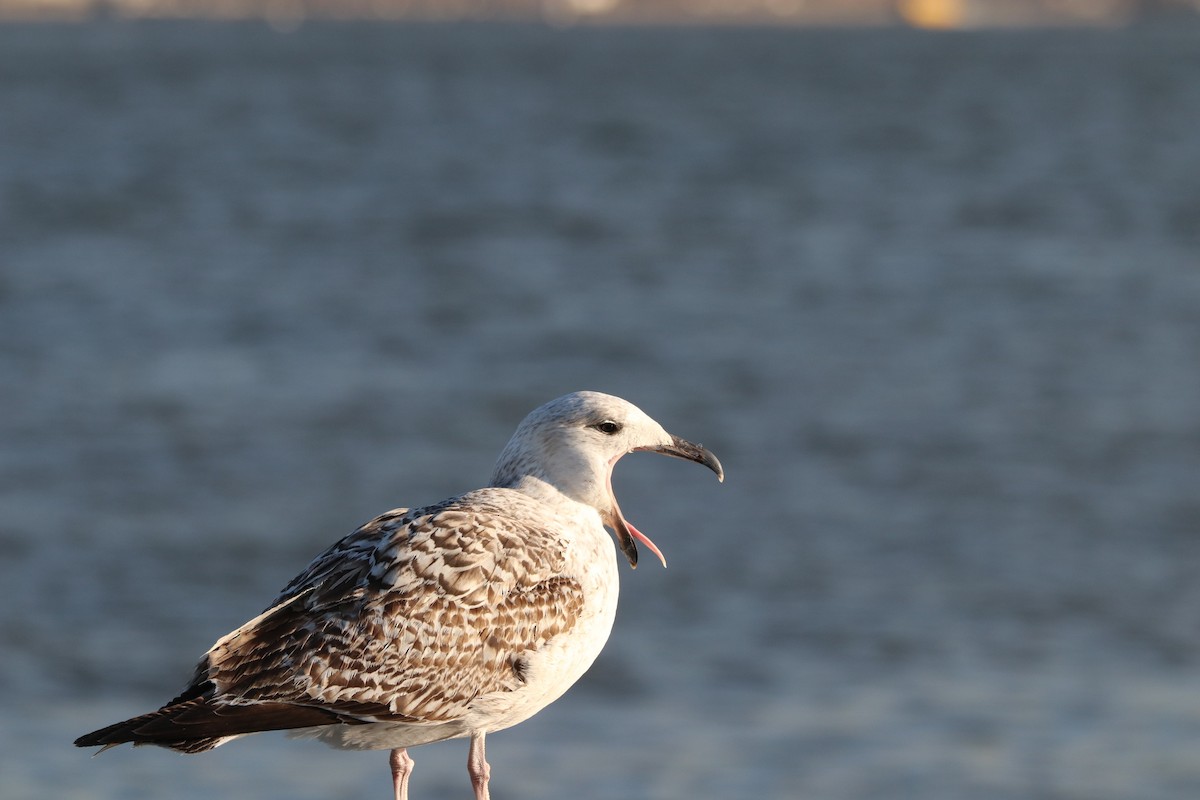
(931, 298)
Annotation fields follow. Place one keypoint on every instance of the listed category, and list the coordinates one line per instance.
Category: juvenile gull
(453, 620)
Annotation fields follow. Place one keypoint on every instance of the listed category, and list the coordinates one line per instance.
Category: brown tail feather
(199, 724)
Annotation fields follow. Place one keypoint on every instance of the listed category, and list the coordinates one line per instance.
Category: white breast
(563, 660)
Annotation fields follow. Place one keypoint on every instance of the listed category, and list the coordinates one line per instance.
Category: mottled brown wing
(411, 617)
(346, 563)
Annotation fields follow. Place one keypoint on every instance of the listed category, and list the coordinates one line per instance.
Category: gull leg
(478, 768)
(402, 767)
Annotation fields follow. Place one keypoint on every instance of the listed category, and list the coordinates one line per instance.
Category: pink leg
(402, 767)
(478, 768)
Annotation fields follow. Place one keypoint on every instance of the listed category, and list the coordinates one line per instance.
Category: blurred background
(932, 296)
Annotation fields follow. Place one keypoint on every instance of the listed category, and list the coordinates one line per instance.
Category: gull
(454, 620)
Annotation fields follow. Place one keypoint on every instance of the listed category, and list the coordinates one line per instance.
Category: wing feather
(408, 619)
(411, 617)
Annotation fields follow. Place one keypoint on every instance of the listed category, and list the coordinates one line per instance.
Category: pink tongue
(644, 539)
(618, 517)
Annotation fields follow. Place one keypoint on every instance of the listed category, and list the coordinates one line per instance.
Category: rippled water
(933, 299)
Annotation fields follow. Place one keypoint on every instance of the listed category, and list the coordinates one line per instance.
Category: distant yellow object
(932, 13)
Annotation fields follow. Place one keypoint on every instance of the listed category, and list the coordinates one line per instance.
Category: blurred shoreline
(933, 14)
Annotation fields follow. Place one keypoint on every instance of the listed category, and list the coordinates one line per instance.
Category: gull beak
(624, 530)
(682, 448)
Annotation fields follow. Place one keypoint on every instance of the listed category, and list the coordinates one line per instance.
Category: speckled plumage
(453, 620)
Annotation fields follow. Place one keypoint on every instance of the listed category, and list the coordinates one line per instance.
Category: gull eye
(608, 427)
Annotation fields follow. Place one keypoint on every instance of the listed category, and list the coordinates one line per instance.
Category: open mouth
(627, 535)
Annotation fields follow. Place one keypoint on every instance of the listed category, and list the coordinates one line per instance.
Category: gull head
(570, 445)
